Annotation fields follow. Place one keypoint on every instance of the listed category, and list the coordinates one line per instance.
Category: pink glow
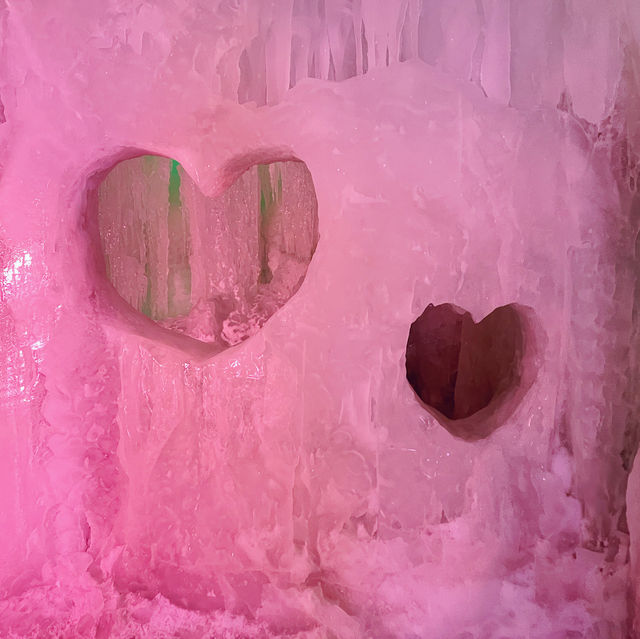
(219, 223)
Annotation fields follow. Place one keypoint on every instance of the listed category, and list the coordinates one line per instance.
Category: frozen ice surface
(213, 268)
(167, 472)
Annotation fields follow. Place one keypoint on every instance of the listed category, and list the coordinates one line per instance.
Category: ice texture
(167, 472)
(213, 268)
(468, 372)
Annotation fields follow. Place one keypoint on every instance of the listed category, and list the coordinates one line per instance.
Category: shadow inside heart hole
(213, 268)
(459, 368)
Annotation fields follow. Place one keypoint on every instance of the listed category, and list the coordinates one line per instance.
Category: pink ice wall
(211, 268)
(293, 485)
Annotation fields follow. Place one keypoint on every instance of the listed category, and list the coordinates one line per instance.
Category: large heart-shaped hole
(459, 368)
(212, 268)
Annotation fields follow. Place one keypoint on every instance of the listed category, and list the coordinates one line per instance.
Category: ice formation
(212, 268)
(227, 408)
(469, 373)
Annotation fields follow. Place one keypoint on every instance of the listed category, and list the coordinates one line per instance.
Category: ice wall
(212, 268)
(474, 154)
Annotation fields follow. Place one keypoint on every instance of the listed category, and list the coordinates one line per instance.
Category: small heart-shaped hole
(213, 268)
(459, 368)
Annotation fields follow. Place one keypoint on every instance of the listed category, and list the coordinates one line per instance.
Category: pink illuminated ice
(318, 319)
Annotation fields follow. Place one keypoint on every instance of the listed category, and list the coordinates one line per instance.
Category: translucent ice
(212, 268)
(219, 223)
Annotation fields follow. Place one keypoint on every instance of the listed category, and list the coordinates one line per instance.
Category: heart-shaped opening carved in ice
(212, 268)
(462, 371)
